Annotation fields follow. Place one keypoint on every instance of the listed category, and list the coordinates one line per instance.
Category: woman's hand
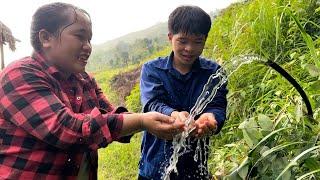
(181, 116)
(162, 126)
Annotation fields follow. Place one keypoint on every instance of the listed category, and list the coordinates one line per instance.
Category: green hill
(128, 49)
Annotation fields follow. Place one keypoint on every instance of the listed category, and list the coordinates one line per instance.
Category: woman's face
(70, 51)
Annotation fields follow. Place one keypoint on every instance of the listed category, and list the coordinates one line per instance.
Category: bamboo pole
(2, 55)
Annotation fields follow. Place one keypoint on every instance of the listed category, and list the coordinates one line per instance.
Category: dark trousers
(188, 169)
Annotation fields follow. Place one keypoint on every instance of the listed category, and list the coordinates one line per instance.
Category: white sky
(110, 18)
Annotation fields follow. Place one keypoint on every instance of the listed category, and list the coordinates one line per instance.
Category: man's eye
(182, 41)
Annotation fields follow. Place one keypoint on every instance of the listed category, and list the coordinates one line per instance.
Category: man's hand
(162, 126)
(206, 125)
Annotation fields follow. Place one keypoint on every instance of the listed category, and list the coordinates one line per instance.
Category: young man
(171, 86)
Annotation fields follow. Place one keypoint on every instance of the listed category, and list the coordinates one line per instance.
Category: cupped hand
(162, 126)
(180, 115)
(183, 116)
(206, 125)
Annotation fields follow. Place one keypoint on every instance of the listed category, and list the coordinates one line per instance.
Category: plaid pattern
(47, 123)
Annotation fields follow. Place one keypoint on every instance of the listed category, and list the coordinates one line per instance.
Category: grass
(120, 161)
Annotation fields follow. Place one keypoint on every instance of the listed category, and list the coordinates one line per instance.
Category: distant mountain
(128, 49)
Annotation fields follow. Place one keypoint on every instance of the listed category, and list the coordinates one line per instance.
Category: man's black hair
(189, 20)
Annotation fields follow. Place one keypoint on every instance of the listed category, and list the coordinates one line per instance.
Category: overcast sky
(110, 18)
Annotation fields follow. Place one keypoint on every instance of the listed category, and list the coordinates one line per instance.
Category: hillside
(128, 49)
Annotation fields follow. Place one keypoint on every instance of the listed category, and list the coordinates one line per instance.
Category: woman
(53, 115)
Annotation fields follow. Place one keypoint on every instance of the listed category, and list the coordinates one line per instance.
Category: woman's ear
(45, 38)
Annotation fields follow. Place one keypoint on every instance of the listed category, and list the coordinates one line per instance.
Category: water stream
(181, 142)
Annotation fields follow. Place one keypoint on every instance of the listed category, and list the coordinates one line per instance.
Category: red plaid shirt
(48, 123)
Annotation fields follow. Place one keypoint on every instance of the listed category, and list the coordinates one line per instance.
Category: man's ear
(170, 35)
(45, 38)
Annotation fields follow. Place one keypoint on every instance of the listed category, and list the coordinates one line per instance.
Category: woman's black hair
(54, 19)
(189, 20)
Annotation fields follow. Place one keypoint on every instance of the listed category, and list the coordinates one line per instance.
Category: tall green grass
(285, 32)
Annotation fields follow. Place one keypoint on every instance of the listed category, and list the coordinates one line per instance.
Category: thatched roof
(7, 37)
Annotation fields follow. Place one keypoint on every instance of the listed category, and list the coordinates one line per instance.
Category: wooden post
(2, 55)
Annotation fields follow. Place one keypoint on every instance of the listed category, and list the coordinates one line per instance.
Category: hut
(6, 37)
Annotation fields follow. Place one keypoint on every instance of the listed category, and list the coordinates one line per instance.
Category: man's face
(70, 51)
(187, 48)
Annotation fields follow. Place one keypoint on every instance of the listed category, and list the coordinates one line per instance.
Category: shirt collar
(48, 66)
(53, 70)
(167, 63)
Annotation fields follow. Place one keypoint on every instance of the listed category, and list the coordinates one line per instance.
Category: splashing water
(181, 142)
(238, 61)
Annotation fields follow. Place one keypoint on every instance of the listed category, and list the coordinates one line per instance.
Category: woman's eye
(81, 37)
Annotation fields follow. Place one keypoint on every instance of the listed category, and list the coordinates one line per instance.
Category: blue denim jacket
(164, 89)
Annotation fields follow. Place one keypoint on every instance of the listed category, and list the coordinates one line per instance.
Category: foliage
(133, 100)
(103, 80)
(267, 110)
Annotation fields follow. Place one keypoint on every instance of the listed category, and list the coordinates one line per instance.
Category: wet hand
(162, 126)
(181, 116)
(206, 125)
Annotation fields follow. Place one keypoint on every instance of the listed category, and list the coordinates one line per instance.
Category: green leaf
(265, 138)
(264, 149)
(294, 161)
(302, 57)
(312, 69)
(308, 174)
(312, 163)
(314, 86)
(278, 148)
(292, 55)
(235, 173)
(298, 109)
(278, 93)
(250, 131)
(243, 171)
(249, 140)
(307, 38)
(265, 122)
